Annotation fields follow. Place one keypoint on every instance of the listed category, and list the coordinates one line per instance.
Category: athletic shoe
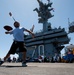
(1, 62)
(24, 64)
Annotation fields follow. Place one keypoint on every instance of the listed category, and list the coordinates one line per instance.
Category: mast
(44, 13)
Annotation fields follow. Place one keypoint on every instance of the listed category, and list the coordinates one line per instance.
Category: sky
(22, 11)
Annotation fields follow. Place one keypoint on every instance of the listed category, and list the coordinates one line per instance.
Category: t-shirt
(18, 34)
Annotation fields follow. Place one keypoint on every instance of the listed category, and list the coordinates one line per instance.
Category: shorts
(17, 46)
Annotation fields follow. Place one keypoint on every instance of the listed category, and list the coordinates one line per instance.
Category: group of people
(18, 43)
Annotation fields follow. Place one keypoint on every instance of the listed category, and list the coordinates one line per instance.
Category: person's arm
(30, 32)
(7, 32)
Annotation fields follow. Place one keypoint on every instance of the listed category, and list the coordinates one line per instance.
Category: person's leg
(8, 55)
(11, 51)
(24, 59)
(24, 56)
(1, 62)
(22, 49)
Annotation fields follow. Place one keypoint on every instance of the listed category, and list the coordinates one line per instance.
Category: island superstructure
(50, 40)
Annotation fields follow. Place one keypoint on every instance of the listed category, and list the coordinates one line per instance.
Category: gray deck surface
(37, 69)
